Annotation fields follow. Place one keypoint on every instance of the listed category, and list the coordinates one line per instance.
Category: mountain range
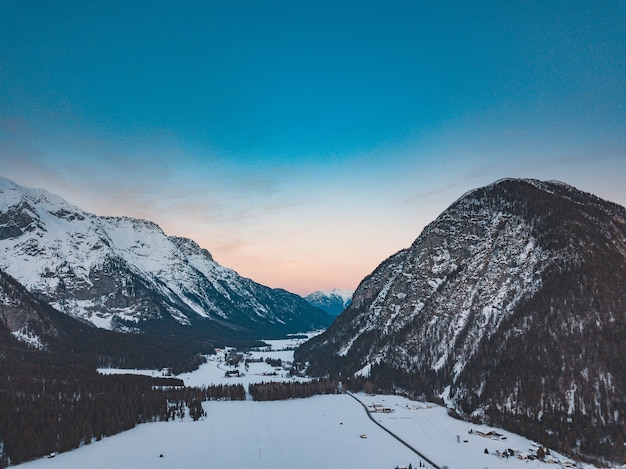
(510, 307)
(332, 301)
(125, 274)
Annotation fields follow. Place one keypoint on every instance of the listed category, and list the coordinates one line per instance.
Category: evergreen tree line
(275, 362)
(50, 405)
(276, 391)
(110, 349)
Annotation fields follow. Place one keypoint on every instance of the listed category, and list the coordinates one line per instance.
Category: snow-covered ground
(214, 371)
(331, 431)
(318, 432)
(454, 443)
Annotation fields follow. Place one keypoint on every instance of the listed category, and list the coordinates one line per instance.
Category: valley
(507, 310)
(325, 235)
(331, 431)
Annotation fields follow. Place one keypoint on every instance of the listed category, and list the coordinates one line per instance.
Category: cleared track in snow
(369, 414)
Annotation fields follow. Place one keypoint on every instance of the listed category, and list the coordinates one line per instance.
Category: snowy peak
(124, 273)
(27, 210)
(12, 194)
(344, 295)
(332, 301)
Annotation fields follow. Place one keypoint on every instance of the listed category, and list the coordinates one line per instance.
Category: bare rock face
(511, 306)
(125, 274)
(23, 315)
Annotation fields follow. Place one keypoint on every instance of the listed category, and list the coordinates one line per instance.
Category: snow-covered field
(330, 431)
(213, 372)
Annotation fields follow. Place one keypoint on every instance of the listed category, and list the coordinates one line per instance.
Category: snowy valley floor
(331, 431)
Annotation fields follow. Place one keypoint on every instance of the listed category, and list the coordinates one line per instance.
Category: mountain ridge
(126, 274)
(510, 304)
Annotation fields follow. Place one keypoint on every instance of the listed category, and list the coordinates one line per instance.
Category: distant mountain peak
(332, 301)
(343, 293)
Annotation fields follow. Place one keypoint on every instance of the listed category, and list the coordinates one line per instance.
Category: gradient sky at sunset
(303, 142)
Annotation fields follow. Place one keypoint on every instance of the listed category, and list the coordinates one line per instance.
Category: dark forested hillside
(42, 326)
(49, 404)
(511, 306)
(51, 397)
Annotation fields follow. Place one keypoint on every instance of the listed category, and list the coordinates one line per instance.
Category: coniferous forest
(53, 404)
(277, 391)
(53, 399)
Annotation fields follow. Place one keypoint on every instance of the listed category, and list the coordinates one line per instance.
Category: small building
(490, 434)
(379, 408)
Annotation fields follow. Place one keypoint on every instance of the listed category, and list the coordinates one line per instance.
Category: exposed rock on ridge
(22, 315)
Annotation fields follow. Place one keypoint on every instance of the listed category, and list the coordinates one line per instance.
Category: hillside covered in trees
(52, 404)
(51, 397)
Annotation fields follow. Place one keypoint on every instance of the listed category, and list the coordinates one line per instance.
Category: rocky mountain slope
(125, 274)
(23, 315)
(333, 301)
(64, 339)
(511, 305)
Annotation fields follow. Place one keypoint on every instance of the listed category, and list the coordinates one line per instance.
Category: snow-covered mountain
(34, 323)
(332, 301)
(511, 305)
(125, 274)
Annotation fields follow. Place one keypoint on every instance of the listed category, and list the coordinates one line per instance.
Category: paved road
(427, 460)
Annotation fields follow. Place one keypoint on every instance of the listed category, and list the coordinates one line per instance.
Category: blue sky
(302, 143)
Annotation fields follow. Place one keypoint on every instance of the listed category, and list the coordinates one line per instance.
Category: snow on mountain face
(511, 303)
(333, 301)
(461, 278)
(119, 272)
(22, 314)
